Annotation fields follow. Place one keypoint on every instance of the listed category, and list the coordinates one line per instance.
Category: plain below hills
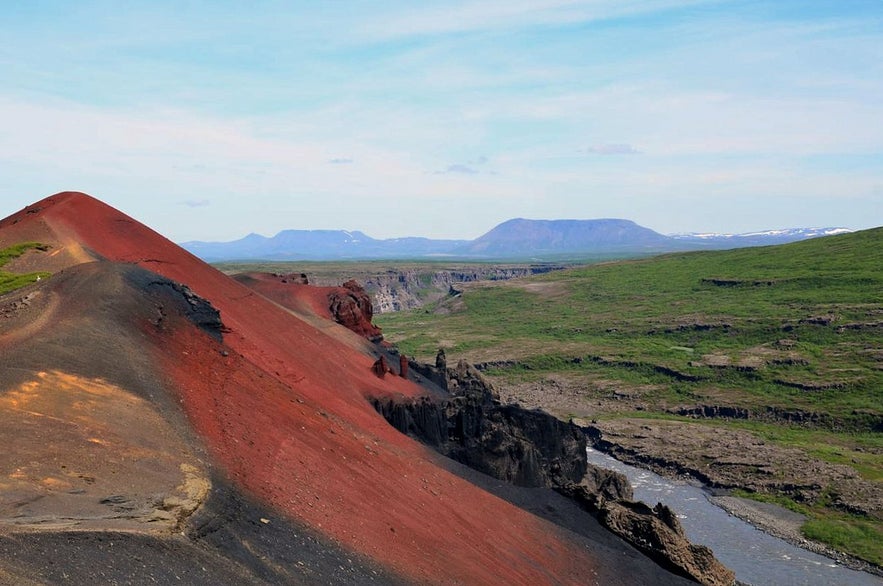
(520, 239)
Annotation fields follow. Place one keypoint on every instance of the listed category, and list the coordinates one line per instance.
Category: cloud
(341, 161)
(489, 15)
(467, 168)
(458, 168)
(197, 203)
(613, 149)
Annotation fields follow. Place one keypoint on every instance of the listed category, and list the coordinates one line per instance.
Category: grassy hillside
(792, 326)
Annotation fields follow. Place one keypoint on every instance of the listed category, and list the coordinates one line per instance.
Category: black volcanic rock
(524, 447)
(530, 448)
(168, 293)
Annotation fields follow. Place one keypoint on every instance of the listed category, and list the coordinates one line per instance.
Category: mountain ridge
(518, 238)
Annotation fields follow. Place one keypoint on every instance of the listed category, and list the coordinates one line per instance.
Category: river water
(757, 558)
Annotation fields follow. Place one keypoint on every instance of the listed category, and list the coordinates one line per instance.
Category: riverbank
(723, 460)
(726, 456)
(784, 524)
(756, 556)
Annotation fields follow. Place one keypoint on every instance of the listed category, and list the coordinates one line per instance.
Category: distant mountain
(518, 238)
(764, 238)
(319, 245)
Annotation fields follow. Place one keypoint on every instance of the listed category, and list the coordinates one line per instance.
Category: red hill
(233, 448)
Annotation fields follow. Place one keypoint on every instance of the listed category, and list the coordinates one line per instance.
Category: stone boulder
(599, 486)
(380, 367)
(351, 307)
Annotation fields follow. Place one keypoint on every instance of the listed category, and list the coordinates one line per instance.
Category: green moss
(779, 500)
(856, 535)
(11, 281)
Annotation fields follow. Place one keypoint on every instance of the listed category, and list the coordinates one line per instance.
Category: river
(757, 558)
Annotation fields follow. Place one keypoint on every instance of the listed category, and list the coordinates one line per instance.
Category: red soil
(298, 297)
(285, 414)
(352, 302)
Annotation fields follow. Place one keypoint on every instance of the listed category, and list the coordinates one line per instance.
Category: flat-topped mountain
(522, 237)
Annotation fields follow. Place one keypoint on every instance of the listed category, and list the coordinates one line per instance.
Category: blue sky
(210, 120)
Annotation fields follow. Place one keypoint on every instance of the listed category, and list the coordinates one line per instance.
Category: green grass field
(794, 326)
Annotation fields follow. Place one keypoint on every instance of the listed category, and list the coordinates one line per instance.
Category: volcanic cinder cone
(148, 437)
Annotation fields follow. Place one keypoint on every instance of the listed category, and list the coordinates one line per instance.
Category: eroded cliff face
(400, 290)
(401, 287)
(471, 426)
(532, 448)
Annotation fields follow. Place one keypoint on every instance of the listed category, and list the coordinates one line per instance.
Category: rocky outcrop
(526, 448)
(857, 420)
(607, 485)
(654, 530)
(380, 367)
(438, 374)
(712, 411)
(296, 278)
(403, 366)
(658, 533)
(351, 307)
(195, 308)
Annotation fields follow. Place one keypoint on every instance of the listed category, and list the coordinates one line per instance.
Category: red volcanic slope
(310, 302)
(285, 416)
(305, 300)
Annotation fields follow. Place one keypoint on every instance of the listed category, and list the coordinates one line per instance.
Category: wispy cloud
(341, 161)
(470, 167)
(481, 15)
(458, 168)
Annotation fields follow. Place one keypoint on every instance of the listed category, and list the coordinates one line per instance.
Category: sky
(210, 120)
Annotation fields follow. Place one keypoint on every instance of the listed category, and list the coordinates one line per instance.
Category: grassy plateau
(793, 326)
